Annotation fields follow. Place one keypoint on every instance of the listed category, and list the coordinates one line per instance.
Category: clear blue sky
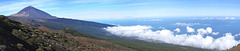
(110, 9)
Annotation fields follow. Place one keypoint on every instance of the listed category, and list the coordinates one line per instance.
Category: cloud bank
(208, 30)
(195, 40)
(177, 30)
(190, 30)
(217, 18)
(215, 33)
(189, 24)
(151, 20)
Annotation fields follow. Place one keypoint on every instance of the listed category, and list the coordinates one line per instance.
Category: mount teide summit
(33, 13)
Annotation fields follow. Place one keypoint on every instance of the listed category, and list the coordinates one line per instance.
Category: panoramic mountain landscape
(112, 25)
(27, 16)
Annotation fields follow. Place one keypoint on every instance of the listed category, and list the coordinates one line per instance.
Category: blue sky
(114, 9)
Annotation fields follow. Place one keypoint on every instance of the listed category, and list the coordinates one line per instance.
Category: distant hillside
(15, 36)
(86, 27)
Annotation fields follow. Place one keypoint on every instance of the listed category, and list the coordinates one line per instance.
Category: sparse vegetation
(88, 40)
(17, 36)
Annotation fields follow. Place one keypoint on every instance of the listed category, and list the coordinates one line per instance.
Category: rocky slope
(15, 36)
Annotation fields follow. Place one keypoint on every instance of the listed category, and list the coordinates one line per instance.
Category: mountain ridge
(33, 13)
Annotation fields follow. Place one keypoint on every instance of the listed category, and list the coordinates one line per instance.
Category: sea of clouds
(188, 39)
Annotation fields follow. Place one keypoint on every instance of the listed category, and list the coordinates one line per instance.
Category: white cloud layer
(217, 18)
(189, 24)
(237, 34)
(195, 40)
(215, 33)
(151, 20)
(161, 27)
(177, 30)
(208, 30)
(190, 30)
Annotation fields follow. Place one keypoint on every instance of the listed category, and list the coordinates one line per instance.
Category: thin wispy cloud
(217, 18)
(189, 24)
(92, 1)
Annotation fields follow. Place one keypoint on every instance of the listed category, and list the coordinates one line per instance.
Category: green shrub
(19, 45)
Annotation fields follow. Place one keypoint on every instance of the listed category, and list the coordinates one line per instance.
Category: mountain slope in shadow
(15, 36)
